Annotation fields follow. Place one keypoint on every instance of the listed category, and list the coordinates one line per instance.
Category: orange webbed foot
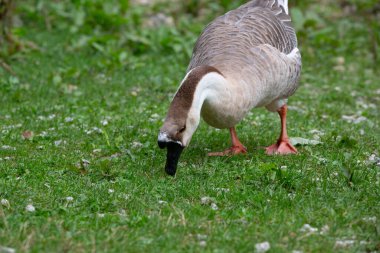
(281, 148)
(234, 150)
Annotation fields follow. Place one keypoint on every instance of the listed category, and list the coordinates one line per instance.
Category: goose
(245, 59)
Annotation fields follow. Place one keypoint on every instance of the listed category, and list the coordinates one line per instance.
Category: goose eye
(182, 129)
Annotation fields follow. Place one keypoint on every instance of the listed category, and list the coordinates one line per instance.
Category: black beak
(172, 156)
(162, 144)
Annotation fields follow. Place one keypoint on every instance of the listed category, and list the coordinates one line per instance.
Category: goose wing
(256, 23)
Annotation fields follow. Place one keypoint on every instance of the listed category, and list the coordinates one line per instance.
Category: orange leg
(236, 148)
(283, 145)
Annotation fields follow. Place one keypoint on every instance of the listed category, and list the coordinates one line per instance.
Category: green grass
(124, 202)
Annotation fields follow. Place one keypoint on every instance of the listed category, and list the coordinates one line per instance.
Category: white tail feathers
(284, 3)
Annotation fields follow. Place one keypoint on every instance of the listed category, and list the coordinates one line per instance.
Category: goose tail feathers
(284, 3)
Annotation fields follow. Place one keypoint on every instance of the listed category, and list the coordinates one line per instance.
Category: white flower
(69, 199)
(203, 243)
(30, 208)
(317, 132)
(7, 250)
(201, 237)
(114, 156)
(209, 201)
(43, 134)
(206, 200)
(85, 163)
(222, 189)
(344, 243)
(262, 247)
(372, 158)
(104, 122)
(137, 144)
(5, 202)
(322, 160)
(214, 206)
(6, 147)
(69, 119)
(111, 191)
(122, 212)
(101, 215)
(161, 202)
(370, 219)
(325, 229)
(308, 229)
(354, 119)
(57, 143)
(94, 130)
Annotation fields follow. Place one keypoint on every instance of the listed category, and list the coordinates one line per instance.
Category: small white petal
(325, 229)
(317, 132)
(85, 163)
(206, 200)
(5, 202)
(137, 144)
(201, 237)
(370, 219)
(344, 243)
(6, 147)
(222, 190)
(262, 247)
(69, 119)
(7, 250)
(69, 199)
(111, 190)
(203, 243)
(308, 229)
(30, 208)
(214, 207)
(354, 119)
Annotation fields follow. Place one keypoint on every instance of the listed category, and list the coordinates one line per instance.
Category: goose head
(183, 116)
(175, 135)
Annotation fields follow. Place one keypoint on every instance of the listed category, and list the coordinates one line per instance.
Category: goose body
(244, 59)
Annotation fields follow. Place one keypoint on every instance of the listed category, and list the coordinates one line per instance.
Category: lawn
(80, 169)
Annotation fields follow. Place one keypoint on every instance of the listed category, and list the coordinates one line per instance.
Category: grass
(95, 114)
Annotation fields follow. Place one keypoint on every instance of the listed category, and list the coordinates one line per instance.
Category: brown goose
(244, 59)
